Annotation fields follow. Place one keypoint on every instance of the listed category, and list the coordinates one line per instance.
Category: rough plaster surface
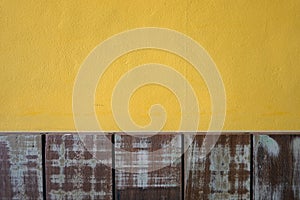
(255, 45)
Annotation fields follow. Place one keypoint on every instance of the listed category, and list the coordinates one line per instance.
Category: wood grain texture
(276, 165)
(148, 168)
(78, 167)
(20, 167)
(224, 173)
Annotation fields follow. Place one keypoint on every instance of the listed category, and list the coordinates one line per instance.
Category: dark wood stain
(150, 193)
(20, 167)
(78, 167)
(6, 186)
(224, 173)
(276, 167)
(155, 177)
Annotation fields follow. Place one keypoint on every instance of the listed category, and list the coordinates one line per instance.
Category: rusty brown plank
(78, 167)
(21, 167)
(276, 165)
(148, 168)
(222, 173)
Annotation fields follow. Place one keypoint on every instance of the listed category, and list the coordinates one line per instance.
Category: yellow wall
(255, 44)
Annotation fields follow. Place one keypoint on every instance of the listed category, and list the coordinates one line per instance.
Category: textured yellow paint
(255, 45)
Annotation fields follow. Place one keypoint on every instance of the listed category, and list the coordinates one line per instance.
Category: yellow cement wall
(255, 44)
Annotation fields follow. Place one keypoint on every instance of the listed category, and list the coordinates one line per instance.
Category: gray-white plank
(21, 167)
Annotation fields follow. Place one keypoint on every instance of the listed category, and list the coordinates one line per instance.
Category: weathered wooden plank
(77, 169)
(276, 165)
(222, 173)
(21, 167)
(148, 168)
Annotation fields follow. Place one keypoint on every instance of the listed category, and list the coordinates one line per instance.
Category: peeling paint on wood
(20, 167)
(143, 174)
(269, 144)
(296, 167)
(224, 173)
(80, 167)
(276, 176)
(77, 170)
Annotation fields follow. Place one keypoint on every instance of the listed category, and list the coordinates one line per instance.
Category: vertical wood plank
(144, 175)
(77, 169)
(20, 167)
(224, 173)
(276, 167)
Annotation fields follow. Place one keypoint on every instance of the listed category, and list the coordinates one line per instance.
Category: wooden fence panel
(276, 165)
(21, 167)
(224, 173)
(77, 169)
(148, 168)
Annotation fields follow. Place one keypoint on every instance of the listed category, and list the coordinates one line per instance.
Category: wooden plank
(78, 167)
(223, 173)
(148, 168)
(276, 165)
(21, 167)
